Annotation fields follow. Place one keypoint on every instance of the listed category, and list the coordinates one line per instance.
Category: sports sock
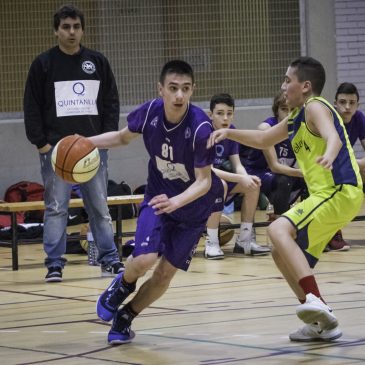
(309, 285)
(130, 286)
(129, 310)
(245, 231)
(213, 234)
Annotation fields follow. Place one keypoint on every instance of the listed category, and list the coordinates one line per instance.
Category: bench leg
(14, 241)
(118, 233)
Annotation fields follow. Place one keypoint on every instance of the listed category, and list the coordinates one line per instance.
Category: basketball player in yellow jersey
(331, 173)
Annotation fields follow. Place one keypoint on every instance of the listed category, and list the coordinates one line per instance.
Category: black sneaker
(54, 275)
(112, 270)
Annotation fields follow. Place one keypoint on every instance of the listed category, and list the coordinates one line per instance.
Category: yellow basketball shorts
(321, 215)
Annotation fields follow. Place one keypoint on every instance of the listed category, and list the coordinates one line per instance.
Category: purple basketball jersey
(356, 127)
(175, 150)
(255, 162)
(225, 149)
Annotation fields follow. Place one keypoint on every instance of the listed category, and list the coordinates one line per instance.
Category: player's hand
(162, 204)
(45, 148)
(325, 162)
(251, 182)
(217, 136)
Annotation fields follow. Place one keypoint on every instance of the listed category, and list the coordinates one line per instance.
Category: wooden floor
(234, 311)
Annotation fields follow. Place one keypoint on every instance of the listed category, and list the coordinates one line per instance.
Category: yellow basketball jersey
(307, 146)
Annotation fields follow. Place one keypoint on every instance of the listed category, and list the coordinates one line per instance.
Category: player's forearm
(107, 140)
(194, 191)
(227, 176)
(251, 138)
(334, 145)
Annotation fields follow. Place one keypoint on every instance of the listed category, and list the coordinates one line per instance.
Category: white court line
(248, 336)
(54, 331)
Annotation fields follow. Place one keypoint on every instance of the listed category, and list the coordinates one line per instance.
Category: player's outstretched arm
(113, 139)
(252, 138)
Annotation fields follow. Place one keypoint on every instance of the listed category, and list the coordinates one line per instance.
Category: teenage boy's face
(293, 89)
(222, 116)
(346, 105)
(69, 34)
(176, 92)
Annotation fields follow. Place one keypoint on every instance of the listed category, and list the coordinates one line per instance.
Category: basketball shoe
(121, 332)
(110, 300)
(212, 250)
(112, 270)
(337, 243)
(54, 275)
(313, 332)
(315, 311)
(250, 247)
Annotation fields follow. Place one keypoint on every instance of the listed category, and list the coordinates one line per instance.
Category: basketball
(75, 159)
(225, 234)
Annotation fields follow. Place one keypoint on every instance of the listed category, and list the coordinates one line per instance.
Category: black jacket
(86, 68)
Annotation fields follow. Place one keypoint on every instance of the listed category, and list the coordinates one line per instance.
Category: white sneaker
(313, 332)
(250, 248)
(315, 311)
(213, 250)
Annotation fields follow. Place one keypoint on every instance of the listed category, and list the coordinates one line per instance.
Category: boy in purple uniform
(281, 181)
(347, 103)
(181, 191)
(236, 181)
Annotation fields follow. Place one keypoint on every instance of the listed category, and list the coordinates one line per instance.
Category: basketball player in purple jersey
(181, 191)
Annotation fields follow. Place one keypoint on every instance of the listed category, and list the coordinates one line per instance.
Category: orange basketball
(75, 159)
(225, 233)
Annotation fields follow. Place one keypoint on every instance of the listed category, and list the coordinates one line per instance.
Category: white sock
(213, 234)
(245, 231)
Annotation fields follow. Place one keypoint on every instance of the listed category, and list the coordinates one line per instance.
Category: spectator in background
(58, 77)
(228, 167)
(346, 104)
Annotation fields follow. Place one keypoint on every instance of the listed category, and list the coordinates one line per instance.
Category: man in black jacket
(71, 89)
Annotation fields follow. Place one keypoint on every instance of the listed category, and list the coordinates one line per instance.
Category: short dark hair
(309, 69)
(68, 11)
(347, 88)
(279, 99)
(176, 67)
(221, 99)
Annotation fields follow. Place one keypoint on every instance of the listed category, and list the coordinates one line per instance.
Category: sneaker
(250, 248)
(112, 270)
(313, 332)
(110, 300)
(213, 250)
(315, 311)
(54, 275)
(337, 243)
(121, 332)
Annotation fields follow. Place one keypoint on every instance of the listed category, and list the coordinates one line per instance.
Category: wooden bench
(13, 208)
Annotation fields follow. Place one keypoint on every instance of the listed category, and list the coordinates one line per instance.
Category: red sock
(309, 285)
